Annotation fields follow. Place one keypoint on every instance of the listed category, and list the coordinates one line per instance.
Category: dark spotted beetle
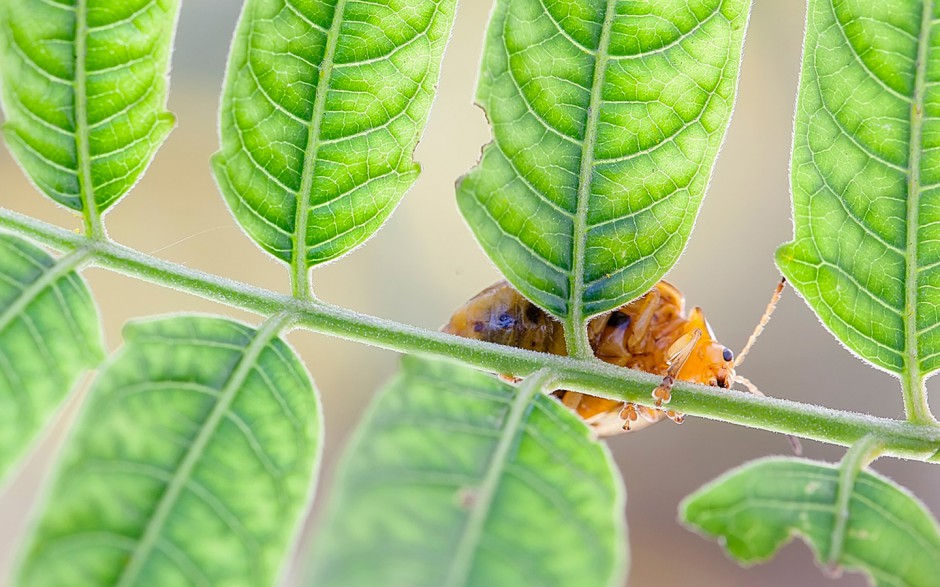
(652, 334)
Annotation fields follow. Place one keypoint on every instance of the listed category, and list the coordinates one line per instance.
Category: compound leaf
(49, 335)
(191, 464)
(455, 479)
(866, 179)
(324, 103)
(756, 509)
(607, 117)
(84, 85)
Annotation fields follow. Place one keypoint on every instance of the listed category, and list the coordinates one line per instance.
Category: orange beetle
(651, 333)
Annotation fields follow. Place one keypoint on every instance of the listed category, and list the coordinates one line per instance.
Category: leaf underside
(190, 465)
(49, 335)
(756, 509)
(84, 88)
(607, 117)
(399, 514)
(324, 103)
(866, 179)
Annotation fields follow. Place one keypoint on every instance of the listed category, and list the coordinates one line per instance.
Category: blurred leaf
(324, 103)
(756, 509)
(191, 464)
(84, 92)
(866, 180)
(49, 335)
(426, 497)
(607, 117)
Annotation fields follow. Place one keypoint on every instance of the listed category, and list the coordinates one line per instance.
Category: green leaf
(756, 509)
(49, 335)
(192, 462)
(454, 479)
(84, 91)
(324, 103)
(607, 117)
(866, 180)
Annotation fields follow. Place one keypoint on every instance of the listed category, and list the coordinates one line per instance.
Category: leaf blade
(191, 464)
(340, 161)
(50, 334)
(756, 509)
(84, 92)
(566, 203)
(863, 180)
(409, 484)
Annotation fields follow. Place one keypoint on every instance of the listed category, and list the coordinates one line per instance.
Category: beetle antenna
(763, 322)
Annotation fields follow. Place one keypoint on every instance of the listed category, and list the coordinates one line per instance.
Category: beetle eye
(727, 354)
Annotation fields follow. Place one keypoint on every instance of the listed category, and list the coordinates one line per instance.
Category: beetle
(652, 333)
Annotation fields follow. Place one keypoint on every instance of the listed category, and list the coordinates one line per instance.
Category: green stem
(859, 456)
(576, 339)
(915, 397)
(904, 439)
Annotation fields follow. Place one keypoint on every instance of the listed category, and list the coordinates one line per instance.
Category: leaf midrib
(576, 317)
(86, 190)
(913, 382)
(33, 290)
(512, 429)
(135, 562)
(301, 284)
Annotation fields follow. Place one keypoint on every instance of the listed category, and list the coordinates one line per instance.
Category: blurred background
(405, 274)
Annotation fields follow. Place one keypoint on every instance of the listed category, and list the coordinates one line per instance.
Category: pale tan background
(425, 263)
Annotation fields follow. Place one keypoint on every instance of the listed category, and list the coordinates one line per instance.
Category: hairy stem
(903, 439)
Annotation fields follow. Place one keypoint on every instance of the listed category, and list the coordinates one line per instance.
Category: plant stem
(915, 397)
(576, 339)
(903, 439)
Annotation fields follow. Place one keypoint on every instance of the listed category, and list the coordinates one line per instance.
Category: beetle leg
(675, 416)
(679, 353)
(572, 399)
(644, 319)
(629, 415)
(631, 412)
